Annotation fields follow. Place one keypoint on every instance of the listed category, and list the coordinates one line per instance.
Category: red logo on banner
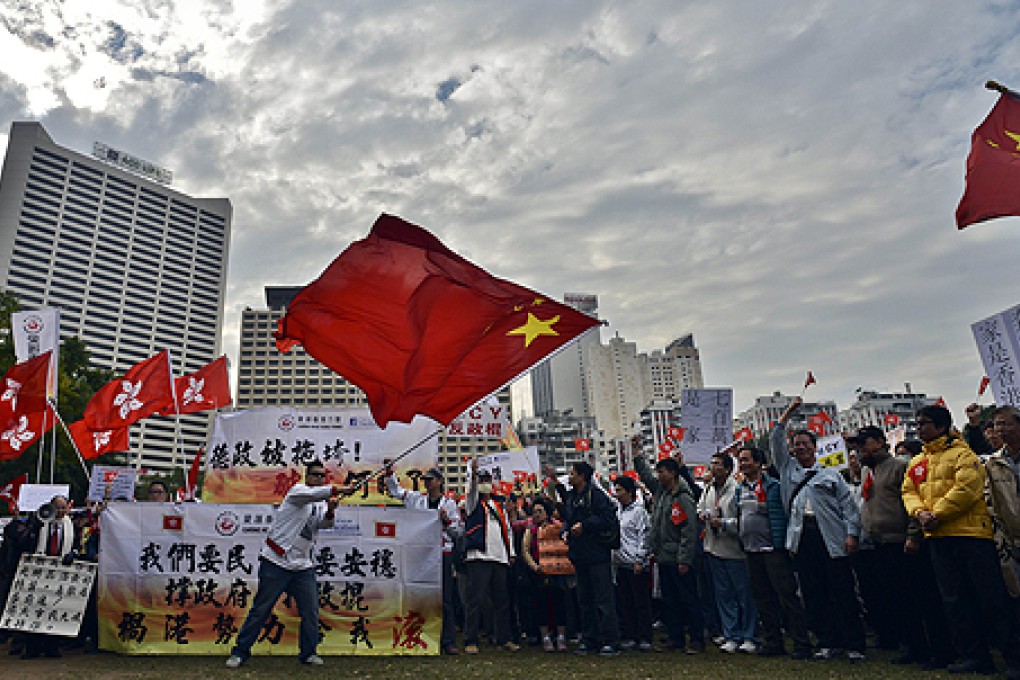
(385, 529)
(173, 523)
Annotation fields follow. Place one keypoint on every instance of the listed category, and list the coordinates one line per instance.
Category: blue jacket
(774, 505)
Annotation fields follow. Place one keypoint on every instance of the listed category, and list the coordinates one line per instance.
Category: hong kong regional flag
(206, 389)
(94, 444)
(993, 166)
(419, 328)
(24, 387)
(21, 430)
(145, 389)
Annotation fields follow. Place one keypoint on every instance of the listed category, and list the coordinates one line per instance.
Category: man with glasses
(285, 563)
(157, 492)
(944, 491)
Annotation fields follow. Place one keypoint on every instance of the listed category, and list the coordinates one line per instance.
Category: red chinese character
(456, 427)
(407, 632)
(494, 429)
(474, 429)
(284, 481)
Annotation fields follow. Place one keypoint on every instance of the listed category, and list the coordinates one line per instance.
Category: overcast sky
(778, 178)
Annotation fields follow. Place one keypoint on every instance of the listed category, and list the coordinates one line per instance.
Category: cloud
(777, 179)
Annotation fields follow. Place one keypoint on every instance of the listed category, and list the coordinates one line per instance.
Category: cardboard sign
(707, 418)
(832, 452)
(998, 342)
(33, 496)
(47, 597)
(119, 481)
(511, 470)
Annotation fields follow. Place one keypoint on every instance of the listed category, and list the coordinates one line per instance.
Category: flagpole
(74, 444)
(177, 412)
(403, 455)
(42, 452)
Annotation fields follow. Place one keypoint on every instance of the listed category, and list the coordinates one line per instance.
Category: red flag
(677, 514)
(868, 485)
(582, 445)
(918, 472)
(192, 482)
(24, 387)
(941, 402)
(419, 328)
(993, 166)
(667, 446)
(206, 389)
(676, 433)
(744, 434)
(816, 427)
(984, 385)
(142, 391)
(810, 380)
(11, 491)
(92, 444)
(21, 430)
(891, 419)
(823, 417)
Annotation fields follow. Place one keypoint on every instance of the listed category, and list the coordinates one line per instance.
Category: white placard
(48, 597)
(707, 416)
(831, 451)
(998, 342)
(120, 481)
(37, 332)
(32, 496)
(517, 468)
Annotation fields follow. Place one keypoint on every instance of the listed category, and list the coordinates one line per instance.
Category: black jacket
(596, 513)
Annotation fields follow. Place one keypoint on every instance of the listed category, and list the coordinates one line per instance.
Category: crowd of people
(914, 549)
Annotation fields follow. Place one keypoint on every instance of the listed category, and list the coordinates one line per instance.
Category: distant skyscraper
(561, 382)
(134, 266)
(620, 387)
(268, 377)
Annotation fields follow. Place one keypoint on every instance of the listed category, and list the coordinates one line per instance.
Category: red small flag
(678, 515)
(24, 387)
(993, 166)
(11, 491)
(667, 447)
(385, 529)
(816, 427)
(759, 492)
(918, 472)
(676, 433)
(823, 417)
(941, 402)
(891, 419)
(868, 485)
(173, 523)
(191, 485)
(984, 385)
(582, 445)
(420, 329)
(92, 444)
(810, 380)
(142, 391)
(744, 434)
(206, 389)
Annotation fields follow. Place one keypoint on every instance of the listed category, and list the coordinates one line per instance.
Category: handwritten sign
(831, 451)
(707, 418)
(120, 481)
(47, 597)
(998, 342)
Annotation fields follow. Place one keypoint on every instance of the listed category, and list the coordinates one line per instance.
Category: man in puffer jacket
(944, 491)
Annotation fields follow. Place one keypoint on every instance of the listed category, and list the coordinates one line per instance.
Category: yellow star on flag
(1015, 137)
(534, 328)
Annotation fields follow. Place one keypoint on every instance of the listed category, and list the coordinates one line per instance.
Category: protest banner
(35, 495)
(255, 456)
(831, 451)
(48, 597)
(113, 483)
(485, 419)
(998, 342)
(179, 579)
(36, 332)
(512, 471)
(707, 418)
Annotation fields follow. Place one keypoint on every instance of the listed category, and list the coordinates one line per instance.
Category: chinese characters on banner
(998, 341)
(47, 597)
(512, 471)
(180, 580)
(485, 419)
(707, 418)
(255, 456)
(118, 481)
(831, 451)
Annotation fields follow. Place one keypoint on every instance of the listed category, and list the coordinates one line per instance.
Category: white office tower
(560, 383)
(620, 385)
(134, 266)
(676, 369)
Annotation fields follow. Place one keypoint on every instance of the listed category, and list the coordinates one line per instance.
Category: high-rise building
(268, 377)
(134, 266)
(620, 385)
(767, 409)
(678, 368)
(874, 408)
(560, 382)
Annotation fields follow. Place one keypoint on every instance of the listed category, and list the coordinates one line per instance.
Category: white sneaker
(718, 640)
(748, 647)
(234, 661)
(313, 660)
(729, 647)
(855, 657)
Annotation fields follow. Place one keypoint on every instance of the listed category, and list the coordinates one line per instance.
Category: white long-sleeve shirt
(298, 519)
(416, 500)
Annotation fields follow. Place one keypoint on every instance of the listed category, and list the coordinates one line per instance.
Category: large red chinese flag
(94, 444)
(993, 166)
(419, 328)
(143, 390)
(206, 389)
(24, 387)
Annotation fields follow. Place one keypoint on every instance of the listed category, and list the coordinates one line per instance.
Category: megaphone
(46, 512)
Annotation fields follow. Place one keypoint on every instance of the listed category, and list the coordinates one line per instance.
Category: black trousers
(681, 606)
(597, 603)
(448, 638)
(774, 589)
(635, 595)
(974, 597)
(830, 598)
(487, 578)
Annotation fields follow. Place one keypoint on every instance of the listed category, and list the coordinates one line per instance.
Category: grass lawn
(529, 663)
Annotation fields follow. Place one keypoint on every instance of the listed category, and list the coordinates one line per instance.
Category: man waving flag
(419, 328)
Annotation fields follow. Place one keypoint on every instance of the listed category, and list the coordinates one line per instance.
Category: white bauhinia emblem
(11, 393)
(128, 399)
(193, 393)
(101, 439)
(18, 435)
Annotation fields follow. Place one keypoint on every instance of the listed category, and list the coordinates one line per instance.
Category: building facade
(875, 408)
(767, 409)
(134, 267)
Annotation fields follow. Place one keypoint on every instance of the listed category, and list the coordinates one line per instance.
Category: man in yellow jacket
(944, 490)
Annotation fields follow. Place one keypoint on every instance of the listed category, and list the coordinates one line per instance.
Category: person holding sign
(944, 489)
(823, 531)
(286, 565)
